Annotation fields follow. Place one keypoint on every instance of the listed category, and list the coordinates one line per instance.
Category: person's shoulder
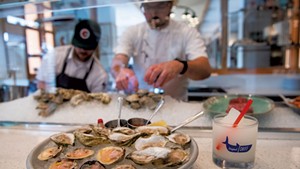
(138, 26)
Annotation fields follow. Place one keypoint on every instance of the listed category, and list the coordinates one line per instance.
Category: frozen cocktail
(234, 146)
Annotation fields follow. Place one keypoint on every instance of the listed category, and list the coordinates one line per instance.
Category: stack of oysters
(143, 99)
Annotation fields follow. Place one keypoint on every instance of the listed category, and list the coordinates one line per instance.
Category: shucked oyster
(179, 138)
(110, 155)
(50, 153)
(123, 139)
(149, 130)
(79, 153)
(124, 130)
(152, 141)
(175, 157)
(148, 155)
(63, 138)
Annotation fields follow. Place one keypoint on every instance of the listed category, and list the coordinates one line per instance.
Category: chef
(76, 66)
(165, 53)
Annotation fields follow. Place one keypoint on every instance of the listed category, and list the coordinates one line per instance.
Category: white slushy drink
(234, 146)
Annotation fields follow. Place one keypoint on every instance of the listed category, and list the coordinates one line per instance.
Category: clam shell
(79, 153)
(94, 164)
(63, 138)
(110, 155)
(124, 166)
(64, 163)
(49, 153)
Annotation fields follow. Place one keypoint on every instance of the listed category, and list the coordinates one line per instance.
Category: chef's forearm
(198, 69)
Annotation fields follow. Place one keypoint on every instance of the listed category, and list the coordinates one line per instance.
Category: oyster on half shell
(89, 139)
(149, 130)
(148, 155)
(176, 157)
(50, 153)
(63, 138)
(179, 138)
(123, 139)
(152, 141)
(110, 155)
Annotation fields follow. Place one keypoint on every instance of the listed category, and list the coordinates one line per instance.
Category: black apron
(65, 81)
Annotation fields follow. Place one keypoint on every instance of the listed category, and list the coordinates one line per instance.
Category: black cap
(87, 34)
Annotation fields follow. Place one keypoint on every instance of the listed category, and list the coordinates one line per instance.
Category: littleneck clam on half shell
(50, 153)
(79, 153)
(63, 163)
(124, 166)
(110, 155)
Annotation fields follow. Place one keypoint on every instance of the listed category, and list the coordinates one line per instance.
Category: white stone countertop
(273, 151)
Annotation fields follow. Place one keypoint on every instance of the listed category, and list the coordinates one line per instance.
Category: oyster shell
(64, 163)
(148, 155)
(50, 153)
(103, 97)
(179, 138)
(149, 130)
(89, 139)
(110, 155)
(124, 130)
(142, 92)
(124, 166)
(132, 98)
(94, 164)
(152, 141)
(175, 157)
(79, 153)
(63, 138)
(123, 139)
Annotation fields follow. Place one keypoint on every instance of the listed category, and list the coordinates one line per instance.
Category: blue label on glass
(237, 148)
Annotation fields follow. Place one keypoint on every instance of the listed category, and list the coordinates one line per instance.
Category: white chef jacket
(147, 47)
(97, 79)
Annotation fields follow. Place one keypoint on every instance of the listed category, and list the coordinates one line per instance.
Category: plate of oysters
(93, 146)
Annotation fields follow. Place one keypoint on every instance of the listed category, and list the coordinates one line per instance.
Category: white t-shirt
(147, 47)
(97, 79)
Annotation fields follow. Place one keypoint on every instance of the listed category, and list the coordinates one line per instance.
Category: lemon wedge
(159, 123)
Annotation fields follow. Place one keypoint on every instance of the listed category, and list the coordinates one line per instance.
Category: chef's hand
(159, 74)
(127, 81)
(41, 85)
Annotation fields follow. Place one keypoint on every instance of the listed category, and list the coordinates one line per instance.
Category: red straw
(242, 114)
(239, 118)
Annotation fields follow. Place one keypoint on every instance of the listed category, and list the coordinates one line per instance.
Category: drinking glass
(234, 147)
